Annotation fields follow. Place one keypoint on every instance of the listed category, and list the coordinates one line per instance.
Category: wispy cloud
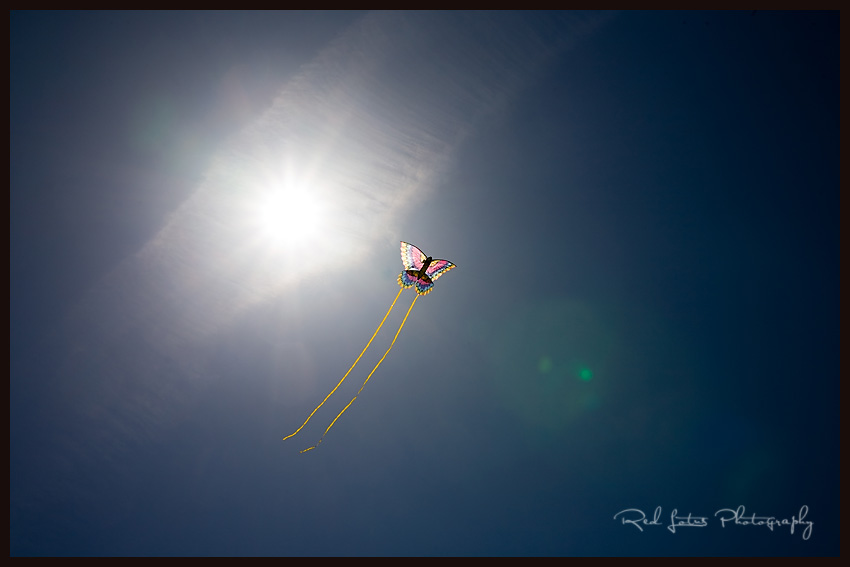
(368, 126)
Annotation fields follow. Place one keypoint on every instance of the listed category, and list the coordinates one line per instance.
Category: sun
(290, 217)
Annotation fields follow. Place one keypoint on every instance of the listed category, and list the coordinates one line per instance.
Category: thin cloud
(368, 127)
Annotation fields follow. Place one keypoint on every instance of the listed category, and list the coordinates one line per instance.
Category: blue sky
(206, 210)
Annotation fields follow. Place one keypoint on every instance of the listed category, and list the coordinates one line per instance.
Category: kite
(420, 272)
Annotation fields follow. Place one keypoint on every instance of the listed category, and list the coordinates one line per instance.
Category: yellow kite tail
(352, 366)
(367, 378)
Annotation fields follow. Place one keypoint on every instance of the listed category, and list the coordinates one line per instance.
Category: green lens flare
(544, 365)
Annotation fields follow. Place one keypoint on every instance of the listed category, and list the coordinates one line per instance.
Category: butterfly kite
(420, 272)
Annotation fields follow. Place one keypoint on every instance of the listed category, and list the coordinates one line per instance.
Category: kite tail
(367, 378)
(352, 368)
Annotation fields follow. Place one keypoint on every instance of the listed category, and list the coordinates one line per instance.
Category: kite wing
(410, 278)
(438, 268)
(412, 257)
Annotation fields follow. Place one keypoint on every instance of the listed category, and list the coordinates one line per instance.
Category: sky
(642, 330)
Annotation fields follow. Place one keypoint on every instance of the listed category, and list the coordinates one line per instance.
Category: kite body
(420, 271)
